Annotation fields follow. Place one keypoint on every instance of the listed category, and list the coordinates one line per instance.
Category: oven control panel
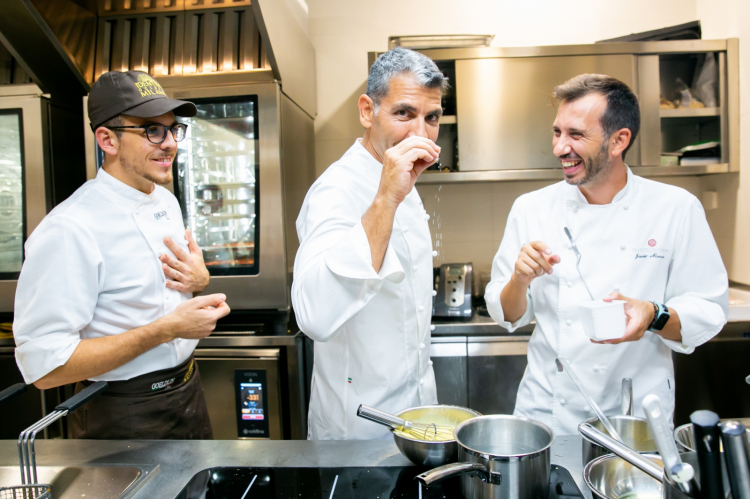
(251, 403)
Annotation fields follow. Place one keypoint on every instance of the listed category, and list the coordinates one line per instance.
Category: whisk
(431, 432)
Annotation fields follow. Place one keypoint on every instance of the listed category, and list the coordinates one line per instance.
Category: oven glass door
(12, 220)
(216, 173)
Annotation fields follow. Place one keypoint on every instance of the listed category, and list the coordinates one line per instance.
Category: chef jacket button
(568, 245)
(406, 229)
(569, 322)
(431, 362)
(414, 268)
(421, 345)
(421, 382)
(434, 253)
(622, 247)
(570, 284)
(432, 327)
(562, 401)
(625, 207)
(426, 216)
(616, 287)
(575, 209)
(434, 293)
(421, 308)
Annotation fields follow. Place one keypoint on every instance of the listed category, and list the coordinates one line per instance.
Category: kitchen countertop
(178, 461)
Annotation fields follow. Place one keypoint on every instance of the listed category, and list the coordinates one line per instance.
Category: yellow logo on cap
(147, 86)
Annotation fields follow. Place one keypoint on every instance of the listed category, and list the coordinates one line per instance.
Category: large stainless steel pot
(634, 432)
(683, 435)
(499, 456)
(611, 477)
(429, 453)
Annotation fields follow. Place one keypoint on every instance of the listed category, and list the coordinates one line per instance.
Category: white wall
(472, 216)
(731, 221)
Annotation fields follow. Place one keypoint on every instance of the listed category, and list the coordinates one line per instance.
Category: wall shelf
(433, 178)
(690, 112)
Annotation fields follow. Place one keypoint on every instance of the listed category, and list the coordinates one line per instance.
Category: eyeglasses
(157, 133)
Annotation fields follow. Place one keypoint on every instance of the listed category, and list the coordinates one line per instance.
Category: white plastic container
(602, 320)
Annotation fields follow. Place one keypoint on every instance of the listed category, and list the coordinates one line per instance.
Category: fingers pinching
(175, 248)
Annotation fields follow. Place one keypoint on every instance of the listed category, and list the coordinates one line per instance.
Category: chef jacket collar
(369, 162)
(576, 197)
(133, 197)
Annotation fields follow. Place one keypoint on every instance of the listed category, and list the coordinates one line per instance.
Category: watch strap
(661, 317)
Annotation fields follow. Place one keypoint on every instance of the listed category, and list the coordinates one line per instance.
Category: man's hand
(639, 316)
(187, 273)
(535, 259)
(194, 319)
(402, 164)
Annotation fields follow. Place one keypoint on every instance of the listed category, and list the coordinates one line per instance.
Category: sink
(89, 481)
(739, 305)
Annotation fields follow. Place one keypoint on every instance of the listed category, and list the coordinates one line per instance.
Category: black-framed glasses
(156, 133)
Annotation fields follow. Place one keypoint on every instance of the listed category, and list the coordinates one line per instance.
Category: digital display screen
(455, 271)
(251, 403)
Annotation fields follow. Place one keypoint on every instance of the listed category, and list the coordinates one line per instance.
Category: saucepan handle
(12, 391)
(82, 397)
(380, 417)
(454, 469)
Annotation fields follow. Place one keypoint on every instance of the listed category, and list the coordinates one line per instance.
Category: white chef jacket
(92, 269)
(371, 329)
(651, 243)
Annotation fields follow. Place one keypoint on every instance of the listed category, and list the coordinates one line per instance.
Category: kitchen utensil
(707, 438)
(736, 457)
(26, 451)
(611, 477)
(563, 364)
(427, 453)
(30, 488)
(500, 456)
(626, 392)
(683, 435)
(618, 448)
(429, 432)
(602, 320)
(12, 391)
(578, 261)
(634, 432)
(747, 379)
(677, 471)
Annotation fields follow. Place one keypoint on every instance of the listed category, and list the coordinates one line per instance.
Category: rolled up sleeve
(333, 273)
(502, 270)
(698, 285)
(56, 295)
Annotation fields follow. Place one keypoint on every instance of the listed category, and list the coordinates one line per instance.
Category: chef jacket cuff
(40, 356)
(351, 258)
(495, 308)
(700, 320)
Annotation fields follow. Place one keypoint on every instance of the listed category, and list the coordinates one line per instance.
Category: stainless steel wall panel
(517, 91)
(140, 44)
(249, 43)
(648, 96)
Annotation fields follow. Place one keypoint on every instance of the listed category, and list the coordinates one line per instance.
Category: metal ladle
(599, 414)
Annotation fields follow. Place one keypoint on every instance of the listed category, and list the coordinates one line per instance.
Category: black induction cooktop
(338, 483)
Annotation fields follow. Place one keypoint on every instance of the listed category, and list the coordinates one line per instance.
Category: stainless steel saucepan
(499, 456)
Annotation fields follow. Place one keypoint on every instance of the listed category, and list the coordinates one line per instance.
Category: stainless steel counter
(178, 461)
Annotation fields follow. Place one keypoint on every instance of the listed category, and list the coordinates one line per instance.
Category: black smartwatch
(661, 317)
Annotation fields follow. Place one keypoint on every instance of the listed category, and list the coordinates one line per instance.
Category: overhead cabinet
(502, 100)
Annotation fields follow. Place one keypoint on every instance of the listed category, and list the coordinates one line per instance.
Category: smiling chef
(106, 289)
(640, 241)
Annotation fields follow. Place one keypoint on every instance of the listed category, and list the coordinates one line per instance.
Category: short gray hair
(400, 61)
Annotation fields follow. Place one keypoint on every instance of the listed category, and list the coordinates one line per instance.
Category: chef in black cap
(107, 288)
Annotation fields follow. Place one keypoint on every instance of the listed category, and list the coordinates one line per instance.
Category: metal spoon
(578, 260)
(611, 429)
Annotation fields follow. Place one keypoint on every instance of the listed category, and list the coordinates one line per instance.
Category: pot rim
(505, 457)
(434, 406)
(594, 462)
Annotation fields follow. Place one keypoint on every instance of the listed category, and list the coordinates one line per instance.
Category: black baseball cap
(134, 93)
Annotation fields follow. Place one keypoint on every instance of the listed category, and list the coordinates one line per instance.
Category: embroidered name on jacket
(160, 215)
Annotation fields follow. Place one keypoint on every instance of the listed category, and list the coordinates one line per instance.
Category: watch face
(661, 320)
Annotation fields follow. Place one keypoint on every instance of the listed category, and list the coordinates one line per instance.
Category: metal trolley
(30, 488)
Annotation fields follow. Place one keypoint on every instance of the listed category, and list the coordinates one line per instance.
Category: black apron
(167, 404)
